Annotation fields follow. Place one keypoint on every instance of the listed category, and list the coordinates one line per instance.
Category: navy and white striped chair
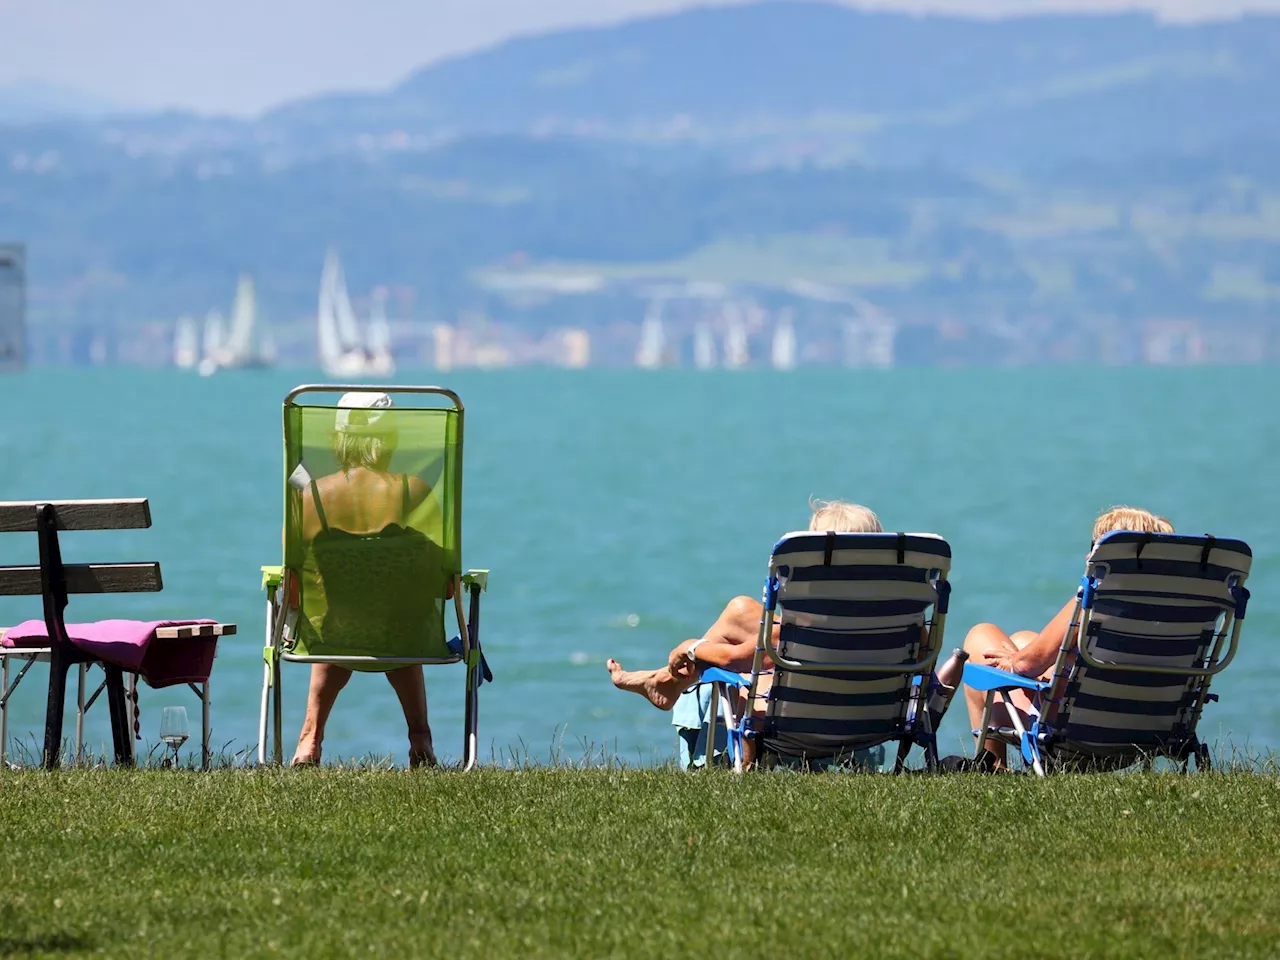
(1157, 617)
(861, 623)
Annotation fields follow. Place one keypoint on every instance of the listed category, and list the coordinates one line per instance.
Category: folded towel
(131, 645)
(689, 716)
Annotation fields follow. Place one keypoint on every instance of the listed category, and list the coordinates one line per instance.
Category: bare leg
(729, 642)
(411, 688)
(983, 639)
(327, 680)
(660, 687)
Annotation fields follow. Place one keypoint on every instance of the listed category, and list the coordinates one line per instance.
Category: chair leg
(58, 667)
(81, 670)
(264, 712)
(471, 724)
(984, 723)
(277, 714)
(904, 748)
(1203, 762)
(713, 721)
(118, 707)
(206, 755)
(471, 719)
(4, 708)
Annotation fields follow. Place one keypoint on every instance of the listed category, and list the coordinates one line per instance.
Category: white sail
(736, 352)
(344, 313)
(378, 335)
(214, 337)
(213, 345)
(329, 346)
(186, 343)
(338, 337)
(784, 343)
(240, 346)
(653, 340)
(704, 346)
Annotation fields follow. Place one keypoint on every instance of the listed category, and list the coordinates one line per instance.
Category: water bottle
(943, 686)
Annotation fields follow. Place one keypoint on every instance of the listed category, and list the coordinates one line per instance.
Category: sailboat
(378, 336)
(653, 340)
(784, 343)
(704, 346)
(243, 348)
(342, 353)
(212, 346)
(736, 352)
(186, 343)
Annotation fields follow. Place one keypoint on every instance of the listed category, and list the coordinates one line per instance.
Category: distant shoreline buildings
(576, 322)
(13, 307)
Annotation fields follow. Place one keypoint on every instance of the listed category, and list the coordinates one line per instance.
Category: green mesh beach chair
(381, 600)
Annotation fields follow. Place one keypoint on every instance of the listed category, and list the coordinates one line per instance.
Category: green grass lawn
(637, 863)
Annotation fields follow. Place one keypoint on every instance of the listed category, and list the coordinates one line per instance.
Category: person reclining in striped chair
(1032, 654)
(730, 642)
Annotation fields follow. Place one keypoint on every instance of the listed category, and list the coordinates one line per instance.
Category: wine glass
(174, 729)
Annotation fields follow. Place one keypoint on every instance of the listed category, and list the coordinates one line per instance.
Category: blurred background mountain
(1006, 184)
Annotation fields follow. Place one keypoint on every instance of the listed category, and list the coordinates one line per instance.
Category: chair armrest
(271, 577)
(479, 578)
(981, 677)
(720, 675)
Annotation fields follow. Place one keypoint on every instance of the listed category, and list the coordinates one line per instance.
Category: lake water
(619, 510)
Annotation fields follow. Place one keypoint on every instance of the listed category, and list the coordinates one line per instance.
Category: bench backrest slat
(86, 578)
(132, 514)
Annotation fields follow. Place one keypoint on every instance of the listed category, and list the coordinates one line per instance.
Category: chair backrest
(1156, 612)
(380, 594)
(46, 519)
(856, 635)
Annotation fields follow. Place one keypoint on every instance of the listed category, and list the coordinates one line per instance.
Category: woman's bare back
(361, 501)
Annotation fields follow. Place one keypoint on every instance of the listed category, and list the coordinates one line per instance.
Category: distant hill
(751, 146)
(31, 102)
(1031, 89)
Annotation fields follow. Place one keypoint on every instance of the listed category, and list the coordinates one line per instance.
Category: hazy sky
(240, 56)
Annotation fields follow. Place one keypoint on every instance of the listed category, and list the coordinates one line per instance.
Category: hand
(684, 670)
(677, 662)
(1000, 659)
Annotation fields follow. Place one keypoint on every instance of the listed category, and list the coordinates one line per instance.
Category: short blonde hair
(369, 450)
(1129, 518)
(842, 517)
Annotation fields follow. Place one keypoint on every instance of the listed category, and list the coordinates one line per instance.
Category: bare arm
(418, 491)
(1038, 656)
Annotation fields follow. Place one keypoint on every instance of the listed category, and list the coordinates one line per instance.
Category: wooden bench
(54, 581)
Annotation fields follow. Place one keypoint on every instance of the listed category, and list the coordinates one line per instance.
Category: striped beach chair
(1157, 617)
(861, 623)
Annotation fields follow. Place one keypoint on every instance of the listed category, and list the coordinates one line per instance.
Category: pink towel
(131, 645)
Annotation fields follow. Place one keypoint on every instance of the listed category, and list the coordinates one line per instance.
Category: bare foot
(421, 752)
(659, 687)
(307, 754)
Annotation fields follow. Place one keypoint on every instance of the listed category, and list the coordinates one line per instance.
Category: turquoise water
(619, 510)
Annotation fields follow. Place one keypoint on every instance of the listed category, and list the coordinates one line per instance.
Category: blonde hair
(842, 517)
(1129, 518)
(370, 450)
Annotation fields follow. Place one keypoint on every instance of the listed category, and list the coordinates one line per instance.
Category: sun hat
(358, 411)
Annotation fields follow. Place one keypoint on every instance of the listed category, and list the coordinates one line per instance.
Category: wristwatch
(692, 647)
